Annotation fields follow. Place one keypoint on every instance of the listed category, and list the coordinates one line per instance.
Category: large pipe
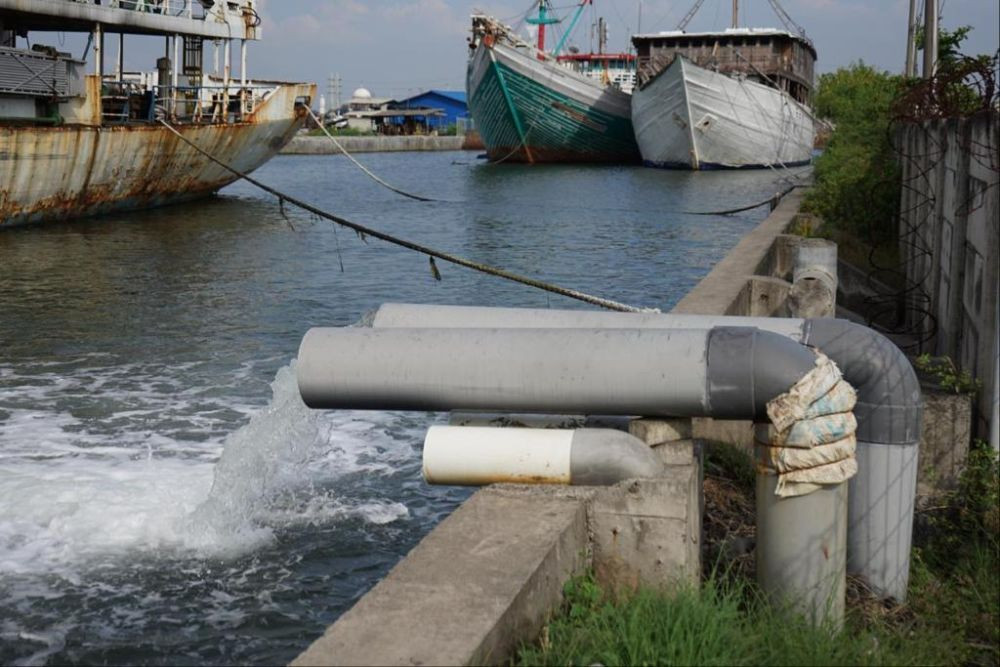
(726, 372)
(888, 411)
(476, 455)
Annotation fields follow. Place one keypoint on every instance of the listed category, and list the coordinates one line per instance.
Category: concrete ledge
(719, 292)
(489, 576)
(485, 578)
(306, 145)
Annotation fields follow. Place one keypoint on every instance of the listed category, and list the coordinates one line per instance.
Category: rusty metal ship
(79, 140)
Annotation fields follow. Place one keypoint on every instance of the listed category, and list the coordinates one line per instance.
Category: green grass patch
(952, 615)
(724, 623)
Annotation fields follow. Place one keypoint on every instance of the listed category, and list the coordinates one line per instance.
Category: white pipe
(225, 80)
(99, 53)
(475, 456)
(243, 78)
(175, 66)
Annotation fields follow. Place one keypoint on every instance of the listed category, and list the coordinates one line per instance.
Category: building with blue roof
(451, 102)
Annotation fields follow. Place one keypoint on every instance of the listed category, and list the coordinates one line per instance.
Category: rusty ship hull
(81, 170)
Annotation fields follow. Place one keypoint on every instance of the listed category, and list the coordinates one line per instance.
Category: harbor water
(165, 498)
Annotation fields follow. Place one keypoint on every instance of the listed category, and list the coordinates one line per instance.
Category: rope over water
(361, 166)
(363, 231)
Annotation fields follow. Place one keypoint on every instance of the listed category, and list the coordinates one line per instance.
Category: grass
(952, 615)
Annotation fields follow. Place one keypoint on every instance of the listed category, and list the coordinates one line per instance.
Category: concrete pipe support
(888, 411)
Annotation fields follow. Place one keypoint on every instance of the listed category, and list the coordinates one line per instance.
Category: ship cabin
(615, 69)
(63, 61)
(772, 57)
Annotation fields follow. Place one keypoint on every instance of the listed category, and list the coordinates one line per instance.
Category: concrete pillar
(814, 279)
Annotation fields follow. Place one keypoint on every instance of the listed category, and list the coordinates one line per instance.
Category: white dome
(362, 93)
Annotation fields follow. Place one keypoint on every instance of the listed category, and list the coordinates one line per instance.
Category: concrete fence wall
(321, 145)
(950, 240)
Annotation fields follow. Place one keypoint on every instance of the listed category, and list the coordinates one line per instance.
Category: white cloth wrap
(812, 442)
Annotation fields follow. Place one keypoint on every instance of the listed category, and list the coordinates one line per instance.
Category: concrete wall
(306, 145)
(489, 576)
(950, 236)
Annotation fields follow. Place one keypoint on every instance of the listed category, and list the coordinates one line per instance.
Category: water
(165, 498)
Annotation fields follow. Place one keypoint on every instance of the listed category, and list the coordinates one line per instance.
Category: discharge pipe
(888, 411)
(478, 455)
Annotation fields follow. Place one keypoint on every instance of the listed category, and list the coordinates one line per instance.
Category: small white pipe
(225, 80)
(175, 73)
(99, 53)
(475, 456)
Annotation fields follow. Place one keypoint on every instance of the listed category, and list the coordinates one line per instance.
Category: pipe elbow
(889, 403)
(747, 367)
(602, 457)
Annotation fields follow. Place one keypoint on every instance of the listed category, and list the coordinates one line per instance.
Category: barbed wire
(962, 89)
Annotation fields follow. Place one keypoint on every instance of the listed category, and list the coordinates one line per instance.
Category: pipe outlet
(477, 456)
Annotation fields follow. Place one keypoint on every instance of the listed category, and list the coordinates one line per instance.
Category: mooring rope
(773, 200)
(361, 166)
(431, 253)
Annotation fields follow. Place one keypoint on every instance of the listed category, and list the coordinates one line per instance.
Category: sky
(397, 48)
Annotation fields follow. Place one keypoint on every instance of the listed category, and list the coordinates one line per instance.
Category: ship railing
(194, 9)
(130, 103)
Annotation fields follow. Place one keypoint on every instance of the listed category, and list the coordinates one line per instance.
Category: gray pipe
(602, 457)
(722, 372)
(888, 412)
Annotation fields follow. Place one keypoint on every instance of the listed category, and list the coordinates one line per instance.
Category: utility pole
(930, 38)
(910, 69)
(333, 91)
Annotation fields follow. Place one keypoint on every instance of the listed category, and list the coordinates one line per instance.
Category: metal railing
(124, 102)
(194, 9)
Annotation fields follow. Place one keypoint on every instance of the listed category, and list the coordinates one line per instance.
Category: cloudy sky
(396, 47)
(400, 47)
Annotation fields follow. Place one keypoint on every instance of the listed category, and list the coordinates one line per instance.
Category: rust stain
(80, 170)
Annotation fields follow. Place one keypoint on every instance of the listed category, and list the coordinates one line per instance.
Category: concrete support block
(783, 256)
(659, 431)
(944, 441)
(767, 296)
(730, 431)
(486, 578)
(648, 532)
(814, 279)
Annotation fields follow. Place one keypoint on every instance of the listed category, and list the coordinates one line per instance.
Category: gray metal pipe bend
(889, 399)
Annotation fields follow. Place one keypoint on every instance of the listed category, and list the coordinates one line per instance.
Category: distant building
(444, 110)
(363, 109)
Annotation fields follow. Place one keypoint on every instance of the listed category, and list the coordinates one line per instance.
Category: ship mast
(736, 13)
(543, 19)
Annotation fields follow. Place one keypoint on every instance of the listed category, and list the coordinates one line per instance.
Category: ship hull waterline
(531, 111)
(77, 171)
(689, 117)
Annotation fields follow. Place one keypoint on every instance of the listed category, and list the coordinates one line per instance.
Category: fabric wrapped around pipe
(812, 442)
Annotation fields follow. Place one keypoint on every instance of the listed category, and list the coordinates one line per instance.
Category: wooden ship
(528, 107)
(735, 98)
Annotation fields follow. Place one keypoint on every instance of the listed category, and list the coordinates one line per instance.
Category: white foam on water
(73, 496)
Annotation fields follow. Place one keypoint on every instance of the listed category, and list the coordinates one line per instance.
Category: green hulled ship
(529, 108)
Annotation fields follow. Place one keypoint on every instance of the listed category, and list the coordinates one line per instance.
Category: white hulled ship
(730, 99)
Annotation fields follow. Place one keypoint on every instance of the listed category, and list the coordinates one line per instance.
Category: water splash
(260, 462)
